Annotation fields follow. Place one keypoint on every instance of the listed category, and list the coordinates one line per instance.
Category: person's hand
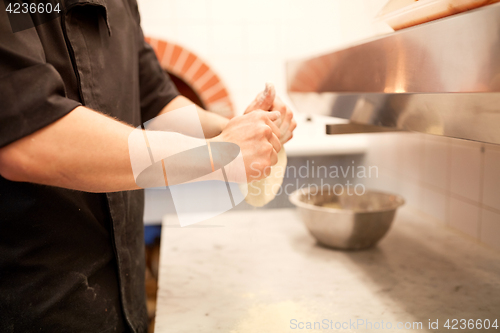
(258, 136)
(268, 101)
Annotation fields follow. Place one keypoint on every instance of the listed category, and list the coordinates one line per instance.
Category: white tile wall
(384, 151)
(386, 180)
(226, 11)
(455, 181)
(411, 156)
(260, 71)
(435, 204)
(466, 169)
(265, 11)
(238, 82)
(413, 192)
(262, 39)
(229, 43)
(195, 36)
(192, 10)
(490, 228)
(491, 182)
(464, 216)
(436, 162)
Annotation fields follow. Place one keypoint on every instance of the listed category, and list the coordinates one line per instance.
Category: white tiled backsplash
(455, 181)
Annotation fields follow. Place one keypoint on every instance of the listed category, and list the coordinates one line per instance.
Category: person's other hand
(258, 136)
(268, 101)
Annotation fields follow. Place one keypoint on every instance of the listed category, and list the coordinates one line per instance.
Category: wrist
(217, 138)
(222, 124)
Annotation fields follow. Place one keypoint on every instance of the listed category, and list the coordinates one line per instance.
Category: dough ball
(261, 192)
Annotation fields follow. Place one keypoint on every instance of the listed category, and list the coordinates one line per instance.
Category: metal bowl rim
(294, 199)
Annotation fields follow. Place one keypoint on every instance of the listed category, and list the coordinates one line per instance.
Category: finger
(266, 98)
(293, 125)
(278, 105)
(286, 122)
(278, 123)
(267, 116)
(286, 137)
(273, 118)
(266, 172)
(274, 158)
(273, 115)
(274, 126)
(284, 128)
(275, 141)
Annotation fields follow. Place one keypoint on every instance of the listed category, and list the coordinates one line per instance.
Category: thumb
(266, 99)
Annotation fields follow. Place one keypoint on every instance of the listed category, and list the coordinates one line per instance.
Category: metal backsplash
(442, 78)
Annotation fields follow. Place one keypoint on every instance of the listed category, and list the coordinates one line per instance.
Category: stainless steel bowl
(359, 222)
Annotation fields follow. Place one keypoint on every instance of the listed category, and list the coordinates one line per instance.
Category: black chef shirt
(72, 261)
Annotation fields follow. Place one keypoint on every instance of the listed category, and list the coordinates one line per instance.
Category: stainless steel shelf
(442, 78)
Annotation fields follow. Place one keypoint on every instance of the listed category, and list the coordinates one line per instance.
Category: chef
(71, 233)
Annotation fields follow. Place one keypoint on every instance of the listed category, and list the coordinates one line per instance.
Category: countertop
(257, 271)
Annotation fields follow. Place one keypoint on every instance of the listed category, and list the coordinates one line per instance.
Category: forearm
(88, 151)
(84, 150)
(212, 123)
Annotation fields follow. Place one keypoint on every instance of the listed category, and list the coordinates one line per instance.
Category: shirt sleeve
(32, 93)
(156, 87)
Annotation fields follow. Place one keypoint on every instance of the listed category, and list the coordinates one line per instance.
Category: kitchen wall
(457, 183)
